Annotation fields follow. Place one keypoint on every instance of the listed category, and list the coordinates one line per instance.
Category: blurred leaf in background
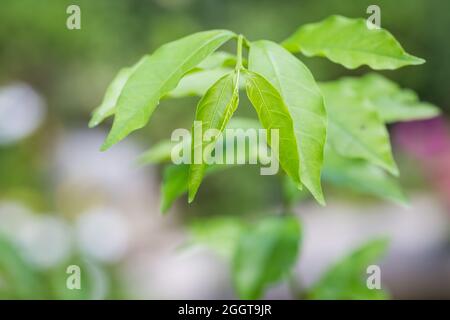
(346, 279)
(266, 252)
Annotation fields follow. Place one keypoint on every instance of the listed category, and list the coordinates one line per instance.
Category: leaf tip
(394, 171)
(321, 200)
(105, 146)
(419, 61)
(164, 207)
(110, 140)
(93, 123)
(192, 192)
(191, 198)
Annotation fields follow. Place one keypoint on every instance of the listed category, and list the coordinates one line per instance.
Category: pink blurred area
(429, 142)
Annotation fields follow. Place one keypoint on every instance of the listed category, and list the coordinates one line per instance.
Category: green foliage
(156, 76)
(351, 112)
(335, 131)
(351, 43)
(108, 105)
(347, 278)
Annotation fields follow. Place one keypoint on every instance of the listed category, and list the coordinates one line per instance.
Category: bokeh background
(63, 202)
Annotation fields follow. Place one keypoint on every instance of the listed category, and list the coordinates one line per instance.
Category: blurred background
(63, 202)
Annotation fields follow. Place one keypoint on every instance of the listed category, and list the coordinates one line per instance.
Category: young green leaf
(347, 278)
(266, 252)
(361, 177)
(160, 152)
(157, 75)
(400, 107)
(214, 111)
(351, 43)
(305, 104)
(355, 129)
(218, 59)
(197, 83)
(273, 114)
(108, 106)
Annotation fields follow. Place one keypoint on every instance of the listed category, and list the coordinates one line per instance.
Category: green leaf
(392, 103)
(160, 152)
(398, 108)
(214, 111)
(197, 83)
(274, 114)
(221, 234)
(305, 104)
(218, 59)
(355, 129)
(243, 123)
(157, 75)
(174, 184)
(347, 278)
(361, 177)
(108, 105)
(291, 194)
(266, 252)
(351, 43)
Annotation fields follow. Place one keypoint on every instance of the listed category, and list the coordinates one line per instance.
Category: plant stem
(238, 62)
(239, 52)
